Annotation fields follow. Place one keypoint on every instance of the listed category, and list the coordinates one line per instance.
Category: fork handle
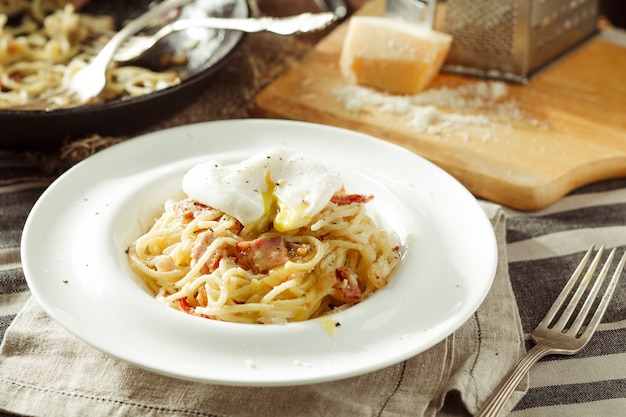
(247, 24)
(497, 400)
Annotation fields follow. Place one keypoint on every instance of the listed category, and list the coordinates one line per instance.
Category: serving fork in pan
(137, 45)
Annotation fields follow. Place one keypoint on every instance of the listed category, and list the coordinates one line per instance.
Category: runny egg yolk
(290, 214)
(268, 195)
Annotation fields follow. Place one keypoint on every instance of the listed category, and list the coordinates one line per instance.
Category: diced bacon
(213, 263)
(185, 307)
(345, 199)
(262, 254)
(16, 76)
(189, 209)
(165, 263)
(347, 285)
(203, 241)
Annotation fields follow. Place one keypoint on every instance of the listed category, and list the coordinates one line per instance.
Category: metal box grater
(507, 39)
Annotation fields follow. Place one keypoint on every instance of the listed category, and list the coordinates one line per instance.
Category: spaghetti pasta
(52, 42)
(204, 262)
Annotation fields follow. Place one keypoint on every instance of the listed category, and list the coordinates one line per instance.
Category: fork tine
(582, 286)
(584, 310)
(560, 300)
(606, 298)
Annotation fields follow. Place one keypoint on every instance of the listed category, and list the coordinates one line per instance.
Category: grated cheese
(468, 111)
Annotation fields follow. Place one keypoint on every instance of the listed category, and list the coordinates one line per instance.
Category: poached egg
(298, 186)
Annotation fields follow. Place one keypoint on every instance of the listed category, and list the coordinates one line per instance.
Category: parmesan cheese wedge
(392, 55)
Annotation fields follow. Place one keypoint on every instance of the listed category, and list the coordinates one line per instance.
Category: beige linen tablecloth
(45, 371)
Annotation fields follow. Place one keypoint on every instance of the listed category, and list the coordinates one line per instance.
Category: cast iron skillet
(45, 130)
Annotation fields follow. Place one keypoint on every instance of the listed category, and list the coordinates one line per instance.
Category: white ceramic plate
(74, 261)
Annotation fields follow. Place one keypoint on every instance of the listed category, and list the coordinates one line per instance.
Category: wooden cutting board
(526, 149)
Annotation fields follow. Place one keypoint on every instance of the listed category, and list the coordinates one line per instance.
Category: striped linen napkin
(544, 248)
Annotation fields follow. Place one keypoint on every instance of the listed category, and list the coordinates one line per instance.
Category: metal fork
(559, 332)
(289, 7)
(89, 81)
(136, 46)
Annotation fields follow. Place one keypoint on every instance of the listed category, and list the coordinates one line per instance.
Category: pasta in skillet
(50, 43)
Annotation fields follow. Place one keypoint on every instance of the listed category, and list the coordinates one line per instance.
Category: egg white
(300, 187)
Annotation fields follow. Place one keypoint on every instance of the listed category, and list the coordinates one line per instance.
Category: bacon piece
(347, 286)
(204, 240)
(16, 76)
(165, 263)
(185, 307)
(262, 254)
(200, 246)
(189, 209)
(345, 199)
